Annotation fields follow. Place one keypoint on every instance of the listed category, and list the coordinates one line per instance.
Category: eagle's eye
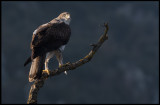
(64, 15)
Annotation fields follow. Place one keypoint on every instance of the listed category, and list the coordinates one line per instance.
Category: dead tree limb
(66, 67)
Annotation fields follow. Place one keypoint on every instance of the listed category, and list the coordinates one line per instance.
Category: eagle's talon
(46, 71)
(60, 66)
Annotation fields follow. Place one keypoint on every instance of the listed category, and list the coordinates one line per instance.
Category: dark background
(124, 70)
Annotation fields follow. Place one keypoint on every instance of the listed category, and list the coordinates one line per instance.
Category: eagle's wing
(38, 62)
(38, 36)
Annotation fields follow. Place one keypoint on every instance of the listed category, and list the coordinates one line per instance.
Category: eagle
(48, 40)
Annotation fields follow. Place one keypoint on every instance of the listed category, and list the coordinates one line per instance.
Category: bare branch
(66, 67)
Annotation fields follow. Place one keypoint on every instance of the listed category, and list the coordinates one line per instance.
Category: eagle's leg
(59, 57)
(49, 55)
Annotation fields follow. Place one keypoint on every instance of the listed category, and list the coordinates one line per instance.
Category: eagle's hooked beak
(68, 16)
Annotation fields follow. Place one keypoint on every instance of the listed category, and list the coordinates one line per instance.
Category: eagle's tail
(36, 68)
(27, 61)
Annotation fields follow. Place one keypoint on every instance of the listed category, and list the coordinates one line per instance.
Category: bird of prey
(48, 40)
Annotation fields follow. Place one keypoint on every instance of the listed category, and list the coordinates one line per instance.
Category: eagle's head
(65, 17)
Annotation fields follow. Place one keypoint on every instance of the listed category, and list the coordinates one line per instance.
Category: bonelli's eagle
(48, 39)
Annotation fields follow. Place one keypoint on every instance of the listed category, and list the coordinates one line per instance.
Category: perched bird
(48, 40)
